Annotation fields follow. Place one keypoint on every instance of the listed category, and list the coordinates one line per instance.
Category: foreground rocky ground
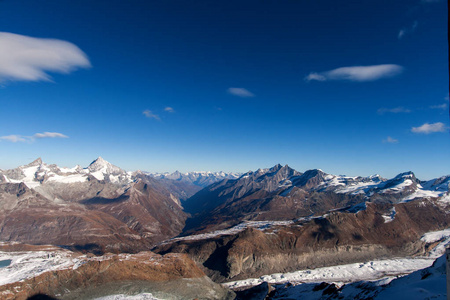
(67, 275)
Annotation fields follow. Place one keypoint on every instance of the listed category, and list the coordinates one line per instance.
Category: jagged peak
(99, 161)
(276, 167)
(100, 164)
(34, 163)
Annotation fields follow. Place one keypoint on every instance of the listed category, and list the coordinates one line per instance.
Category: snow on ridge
(434, 236)
(70, 170)
(260, 225)
(421, 193)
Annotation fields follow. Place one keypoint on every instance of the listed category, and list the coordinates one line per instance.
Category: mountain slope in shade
(281, 193)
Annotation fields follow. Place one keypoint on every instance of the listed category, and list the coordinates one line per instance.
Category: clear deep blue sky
(157, 96)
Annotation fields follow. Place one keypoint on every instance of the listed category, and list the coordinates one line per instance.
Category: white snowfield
(369, 271)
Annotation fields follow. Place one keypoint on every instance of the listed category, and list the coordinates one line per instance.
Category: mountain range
(281, 193)
(234, 226)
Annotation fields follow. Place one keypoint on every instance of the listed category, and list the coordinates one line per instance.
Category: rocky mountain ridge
(281, 193)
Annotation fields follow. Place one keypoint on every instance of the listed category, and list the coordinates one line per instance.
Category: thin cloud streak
(395, 110)
(240, 92)
(442, 106)
(24, 58)
(50, 135)
(169, 109)
(357, 73)
(149, 114)
(15, 138)
(428, 128)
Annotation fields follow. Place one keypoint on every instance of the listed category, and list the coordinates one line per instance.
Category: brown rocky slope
(335, 238)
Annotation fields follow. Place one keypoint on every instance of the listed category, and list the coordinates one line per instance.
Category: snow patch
(421, 194)
(389, 217)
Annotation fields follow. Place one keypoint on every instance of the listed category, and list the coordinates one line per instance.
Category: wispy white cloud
(169, 109)
(149, 114)
(441, 106)
(240, 92)
(428, 128)
(390, 140)
(394, 110)
(315, 76)
(24, 58)
(15, 138)
(50, 135)
(357, 73)
(407, 30)
(24, 138)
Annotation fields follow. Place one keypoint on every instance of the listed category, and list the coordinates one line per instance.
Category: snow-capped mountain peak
(101, 164)
(34, 163)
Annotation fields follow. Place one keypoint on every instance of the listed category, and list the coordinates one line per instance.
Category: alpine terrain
(180, 235)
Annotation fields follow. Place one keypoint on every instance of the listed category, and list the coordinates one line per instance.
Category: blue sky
(351, 87)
